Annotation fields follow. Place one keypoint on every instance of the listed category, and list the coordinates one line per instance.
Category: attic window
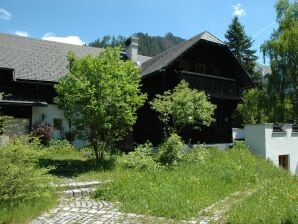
(185, 65)
(201, 68)
(214, 70)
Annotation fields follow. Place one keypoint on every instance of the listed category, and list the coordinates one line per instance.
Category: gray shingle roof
(35, 59)
(142, 59)
(163, 59)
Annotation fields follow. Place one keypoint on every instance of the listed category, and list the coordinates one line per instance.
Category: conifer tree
(240, 44)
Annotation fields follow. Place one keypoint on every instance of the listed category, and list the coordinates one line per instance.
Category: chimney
(132, 48)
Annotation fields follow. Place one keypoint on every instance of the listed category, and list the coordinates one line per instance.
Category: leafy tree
(282, 51)
(240, 44)
(253, 110)
(100, 95)
(183, 106)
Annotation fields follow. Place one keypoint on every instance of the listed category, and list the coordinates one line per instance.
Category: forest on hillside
(148, 45)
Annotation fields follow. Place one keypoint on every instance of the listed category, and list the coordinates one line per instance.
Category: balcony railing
(214, 86)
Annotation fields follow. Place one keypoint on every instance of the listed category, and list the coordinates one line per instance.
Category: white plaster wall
(285, 143)
(255, 138)
(50, 112)
(263, 141)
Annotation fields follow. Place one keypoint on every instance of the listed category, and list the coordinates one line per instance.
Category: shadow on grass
(73, 167)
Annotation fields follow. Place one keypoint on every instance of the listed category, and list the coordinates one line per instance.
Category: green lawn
(181, 192)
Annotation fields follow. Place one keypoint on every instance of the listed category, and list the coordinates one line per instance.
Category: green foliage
(171, 151)
(63, 150)
(253, 110)
(142, 158)
(148, 45)
(22, 212)
(153, 45)
(43, 130)
(109, 41)
(196, 155)
(101, 95)
(281, 49)
(21, 179)
(56, 144)
(195, 184)
(240, 44)
(183, 106)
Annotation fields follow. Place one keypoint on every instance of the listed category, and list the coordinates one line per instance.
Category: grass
(181, 192)
(23, 212)
(276, 202)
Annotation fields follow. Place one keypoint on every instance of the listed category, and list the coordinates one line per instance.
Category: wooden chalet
(207, 64)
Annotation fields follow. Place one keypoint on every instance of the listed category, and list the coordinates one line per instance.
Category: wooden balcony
(214, 86)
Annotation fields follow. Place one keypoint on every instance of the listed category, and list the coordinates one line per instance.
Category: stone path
(84, 210)
(76, 207)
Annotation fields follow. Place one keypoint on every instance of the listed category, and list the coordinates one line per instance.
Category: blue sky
(82, 21)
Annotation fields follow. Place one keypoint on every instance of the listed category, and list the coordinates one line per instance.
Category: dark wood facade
(206, 66)
(18, 96)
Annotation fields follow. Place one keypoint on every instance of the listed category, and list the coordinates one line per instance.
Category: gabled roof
(166, 57)
(41, 60)
(34, 59)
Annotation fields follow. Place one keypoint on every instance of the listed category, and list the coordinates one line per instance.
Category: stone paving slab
(77, 185)
(86, 210)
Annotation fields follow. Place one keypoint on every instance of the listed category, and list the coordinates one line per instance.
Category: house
(207, 64)
(277, 143)
(29, 69)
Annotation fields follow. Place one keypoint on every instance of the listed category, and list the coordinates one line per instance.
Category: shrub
(21, 179)
(171, 151)
(183, 106)
(140, 159)
(196, 154)
(43, 130)
(56, 144)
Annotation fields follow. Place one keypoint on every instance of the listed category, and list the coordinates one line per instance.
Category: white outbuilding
(278, 143)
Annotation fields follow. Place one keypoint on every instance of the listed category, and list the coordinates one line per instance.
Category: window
(57, 124)
(185, 65)
(201, 68)
(214, 70)
(283, 161)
